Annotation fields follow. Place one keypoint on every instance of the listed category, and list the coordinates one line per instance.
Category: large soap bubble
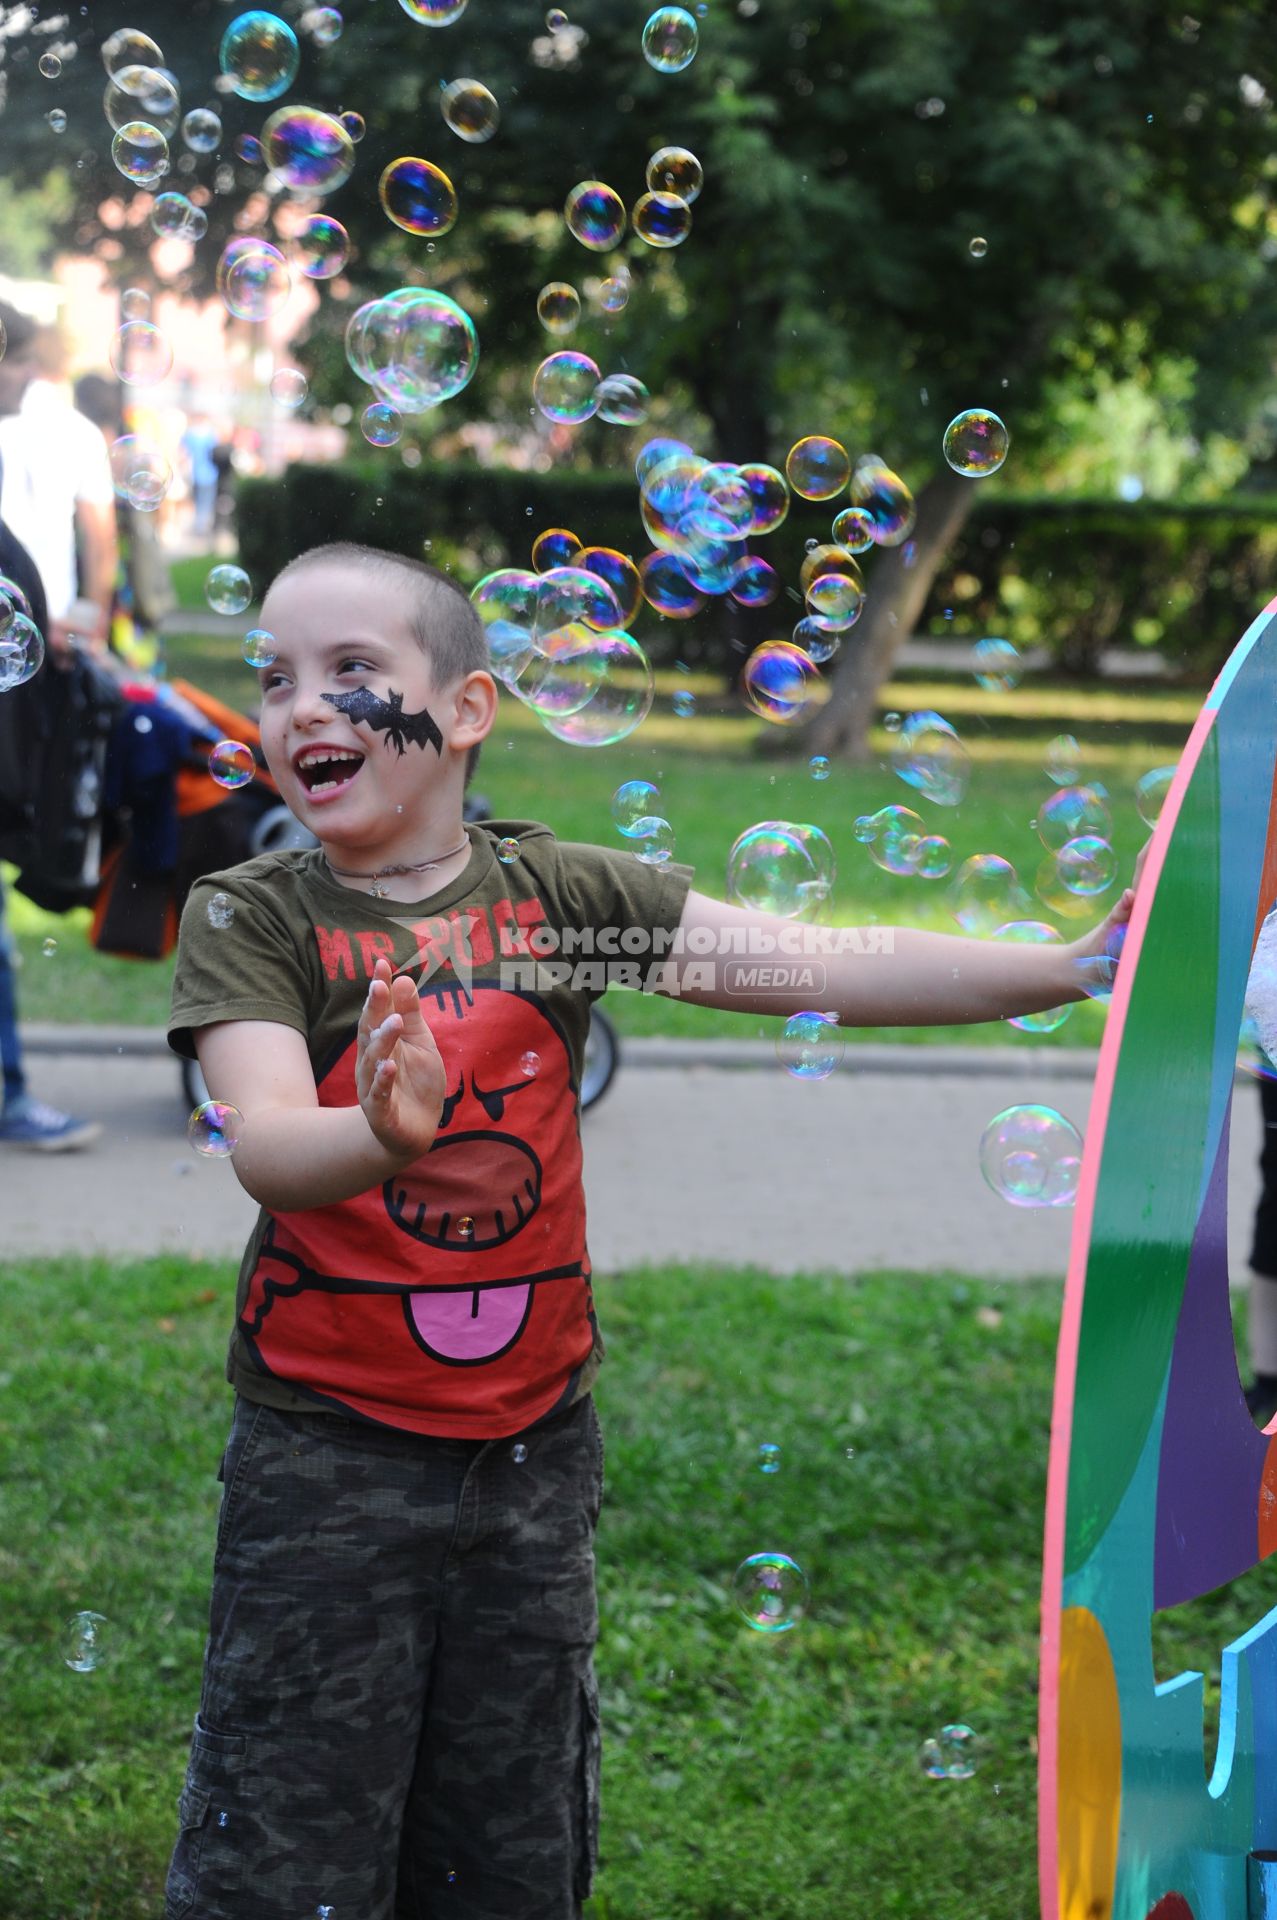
(1032, 1156)
(310, 151)
(418, 196)
(415, 347)
(259, 53)
(780, 682)
(622, 696)
(927, 754)
(785, 867)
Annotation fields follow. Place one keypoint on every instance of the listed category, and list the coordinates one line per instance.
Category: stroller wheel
(194, 1088)
(602, 1057)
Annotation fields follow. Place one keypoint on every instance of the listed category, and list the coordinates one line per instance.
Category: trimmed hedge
(1073, 576)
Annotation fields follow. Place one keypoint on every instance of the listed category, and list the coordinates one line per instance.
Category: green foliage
(32, 219)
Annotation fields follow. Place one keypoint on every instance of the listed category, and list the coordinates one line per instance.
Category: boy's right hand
(399, 1072)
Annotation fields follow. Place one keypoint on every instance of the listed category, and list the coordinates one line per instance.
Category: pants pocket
(233, 1472)
(207, 1859)
(587, 1853)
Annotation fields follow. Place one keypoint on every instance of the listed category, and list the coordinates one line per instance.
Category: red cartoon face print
(473, 1257)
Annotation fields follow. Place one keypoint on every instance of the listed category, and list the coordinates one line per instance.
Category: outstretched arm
(876, 976)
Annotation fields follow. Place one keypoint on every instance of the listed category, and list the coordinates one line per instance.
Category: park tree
(1116, 162)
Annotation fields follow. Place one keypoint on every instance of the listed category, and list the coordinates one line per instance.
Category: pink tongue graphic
(469, 1325)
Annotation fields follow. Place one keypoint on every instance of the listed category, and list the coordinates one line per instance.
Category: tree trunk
(894, 599)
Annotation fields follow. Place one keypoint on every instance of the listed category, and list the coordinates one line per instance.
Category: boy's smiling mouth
(326, 770)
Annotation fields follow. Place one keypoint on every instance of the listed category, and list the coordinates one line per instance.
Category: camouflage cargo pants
(398, 1717)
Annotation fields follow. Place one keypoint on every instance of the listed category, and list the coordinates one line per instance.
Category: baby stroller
(182, 824)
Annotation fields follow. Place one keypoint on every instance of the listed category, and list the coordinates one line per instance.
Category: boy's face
(353, 727)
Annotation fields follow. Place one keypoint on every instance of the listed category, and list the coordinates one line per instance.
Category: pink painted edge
(1071, 1319)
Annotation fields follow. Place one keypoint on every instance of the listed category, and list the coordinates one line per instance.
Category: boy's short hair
(445, 625)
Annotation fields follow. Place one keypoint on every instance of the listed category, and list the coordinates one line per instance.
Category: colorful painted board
(1160, 1487)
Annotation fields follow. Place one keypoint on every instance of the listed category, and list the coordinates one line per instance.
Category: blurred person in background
(56, 494)
(24, 1120)
(199, 447)
(144, 586)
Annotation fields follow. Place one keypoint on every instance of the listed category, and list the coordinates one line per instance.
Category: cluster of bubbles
(21, 642)
(415, 348)
(636, 816)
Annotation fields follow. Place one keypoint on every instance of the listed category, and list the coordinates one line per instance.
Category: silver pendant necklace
(379, 892)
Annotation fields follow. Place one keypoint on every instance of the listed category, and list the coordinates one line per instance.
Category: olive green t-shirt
(454, 1299)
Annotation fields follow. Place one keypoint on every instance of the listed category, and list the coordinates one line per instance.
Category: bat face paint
(388, 717)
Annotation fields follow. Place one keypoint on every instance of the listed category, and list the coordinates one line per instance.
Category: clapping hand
(399, 1072)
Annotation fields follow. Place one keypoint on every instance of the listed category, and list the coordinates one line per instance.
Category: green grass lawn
(714, 785)
(745, 1773)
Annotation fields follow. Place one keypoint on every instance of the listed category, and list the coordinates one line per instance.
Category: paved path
(873, 1167)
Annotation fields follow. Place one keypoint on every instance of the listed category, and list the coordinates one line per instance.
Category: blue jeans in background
(15, 1081)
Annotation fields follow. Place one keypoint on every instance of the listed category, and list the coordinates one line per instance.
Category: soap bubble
(884, 495)
(129, 47)
(622, 400)
(670, 39)
(595, 215)
(675, 170)
(834, 602)
(228, 589)
(259, 52)
(558, 307)
(1032, 1156)
(683, 703)
(518, 1453)
(220, 911)
(556, 20)
(530, 1064)
(927, 754)
(823, 558)
(418, 197)
(1151, 790)
(622, 696)
(508, 850)
(754, 582)
(769, 1457)
(415, 348)
(48, 947)
(771, 1591)
(853, 528)
(140, 354)
(214, 1129)
(310, 151)
(249, 149)
(354, 124)
(894, 837)
(50, 65)
(817, 467)
(12, 600)
(258, 647)
(506, 602)
(933, 857)
(614, 293)
(986, 894)
(1071, 811)
(785, 867)
(86, 1642)
(780, 683)
(142, 93)
(953, 1753)
(434, 13)
(653, 838)
(57, 119)
(140, 153)
(634, 800)
(565, 386)
(621, 576)
(1086, 865)
(661, 219)
(173, 217)
(323, 247)
(1063, 760)
(976, 443)
(769, 496)
(256, 282)
(470, 110)
(21, 651)
(1036, 933)
(556, 547)
(288, 387)
(977, 246)
(323, 24)
(997, 665)
(818, 766)
(380, 424)
(667, 589)
(231, 764)
(810, 1045)
(140, 471)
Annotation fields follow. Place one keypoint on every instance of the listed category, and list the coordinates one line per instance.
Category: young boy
(398, 1714)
